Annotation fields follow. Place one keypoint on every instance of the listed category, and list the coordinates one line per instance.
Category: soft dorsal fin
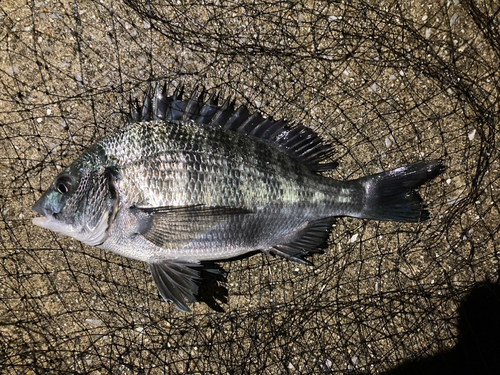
(298, 141)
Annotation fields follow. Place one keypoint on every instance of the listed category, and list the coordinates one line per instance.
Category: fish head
(80, 203)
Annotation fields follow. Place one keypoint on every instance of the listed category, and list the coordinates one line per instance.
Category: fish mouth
(41, 221)
(47, 215)
(50, 220)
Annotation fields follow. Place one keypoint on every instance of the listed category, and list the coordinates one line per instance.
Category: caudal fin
(392, 196)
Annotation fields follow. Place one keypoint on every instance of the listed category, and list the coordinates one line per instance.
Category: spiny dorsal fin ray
(133, 115)
(297, 141)
(223, 113)
(193, 106)
(161, 102)
(208, 110)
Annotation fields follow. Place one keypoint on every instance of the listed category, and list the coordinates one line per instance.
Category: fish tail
(392, 196)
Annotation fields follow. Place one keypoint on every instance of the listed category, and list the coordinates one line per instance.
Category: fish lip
(39, 209)
(41, 221)
(47, 215)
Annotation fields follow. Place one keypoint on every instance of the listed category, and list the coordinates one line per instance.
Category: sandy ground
(387, 85)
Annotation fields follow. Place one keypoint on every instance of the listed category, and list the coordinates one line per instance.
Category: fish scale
(259, 177)
(188, 183)
(172, 182)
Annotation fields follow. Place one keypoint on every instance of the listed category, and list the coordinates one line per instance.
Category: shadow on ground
(478, 345)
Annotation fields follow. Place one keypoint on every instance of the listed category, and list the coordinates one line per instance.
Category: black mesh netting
(386, 82)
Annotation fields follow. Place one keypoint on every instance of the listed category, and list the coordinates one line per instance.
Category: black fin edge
(298, 141)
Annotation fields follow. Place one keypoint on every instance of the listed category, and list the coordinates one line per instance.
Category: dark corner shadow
(478, 346)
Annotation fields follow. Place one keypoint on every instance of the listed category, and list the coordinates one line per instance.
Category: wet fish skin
(189, 181)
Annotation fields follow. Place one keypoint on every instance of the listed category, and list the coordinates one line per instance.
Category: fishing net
(386, 82)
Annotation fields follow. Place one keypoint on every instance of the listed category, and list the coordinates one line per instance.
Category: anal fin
(308, 241)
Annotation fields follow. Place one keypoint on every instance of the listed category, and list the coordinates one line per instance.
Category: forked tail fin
(392, 196)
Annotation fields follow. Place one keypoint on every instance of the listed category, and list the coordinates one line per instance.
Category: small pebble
(12, 70)
(472, 134)
(373, 87)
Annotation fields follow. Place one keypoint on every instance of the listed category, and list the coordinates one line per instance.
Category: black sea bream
(190, 182)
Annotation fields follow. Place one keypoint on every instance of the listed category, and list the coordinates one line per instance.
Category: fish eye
(63, 184)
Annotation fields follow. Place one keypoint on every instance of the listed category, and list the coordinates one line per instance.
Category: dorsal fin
(298, 141)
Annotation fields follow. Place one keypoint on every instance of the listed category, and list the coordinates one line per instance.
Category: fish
(190, 183)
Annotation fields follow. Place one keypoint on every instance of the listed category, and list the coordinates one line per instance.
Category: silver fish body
(263, 196)
(189, 181)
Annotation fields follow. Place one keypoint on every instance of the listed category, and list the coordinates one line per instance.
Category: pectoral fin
(180, 282)
(168, 226)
